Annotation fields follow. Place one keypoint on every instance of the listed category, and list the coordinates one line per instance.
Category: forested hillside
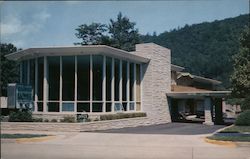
(204, 49)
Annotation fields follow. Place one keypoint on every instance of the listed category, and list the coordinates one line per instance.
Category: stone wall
(76, 127)
(156, 81)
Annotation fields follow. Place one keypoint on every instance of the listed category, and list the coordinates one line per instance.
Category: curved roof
(75, 50)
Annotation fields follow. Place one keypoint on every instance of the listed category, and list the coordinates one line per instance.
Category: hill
(204, 49)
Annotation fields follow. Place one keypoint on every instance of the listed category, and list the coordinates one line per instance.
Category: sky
(52, 23)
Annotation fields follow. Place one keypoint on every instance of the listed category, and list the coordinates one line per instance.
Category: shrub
(122, 116)
(243, 119)
(53, 120)
(21, 116)
(46, 120)
(37, 119)
(68, 119)
(245, 105)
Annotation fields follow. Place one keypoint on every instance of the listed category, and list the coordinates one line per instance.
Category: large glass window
(97, 77)
(53, 106)
(68, 78)
(138, 83)
(117, 79)
(39, 106)
(83, 78)
(53, 77)
(131, 86)
(108, 78)
(24, 66)
(97, 107)
(124, 80)
(40, 78)
(68, 107)
(32, 76)
(83, 107)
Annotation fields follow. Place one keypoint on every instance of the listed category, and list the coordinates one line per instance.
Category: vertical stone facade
(156, 81)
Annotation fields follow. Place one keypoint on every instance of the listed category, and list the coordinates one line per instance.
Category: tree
(241, 75)
(91, 34)
(119, 33)
(8, 69)
(123, 34)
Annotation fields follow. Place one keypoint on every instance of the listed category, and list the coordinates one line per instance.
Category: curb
(35, 139)
(220, 142)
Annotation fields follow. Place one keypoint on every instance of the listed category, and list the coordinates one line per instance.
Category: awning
(199, 94)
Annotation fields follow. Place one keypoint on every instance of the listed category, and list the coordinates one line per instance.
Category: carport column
(207, 111)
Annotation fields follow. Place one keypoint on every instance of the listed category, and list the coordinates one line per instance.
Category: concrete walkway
(123, 145)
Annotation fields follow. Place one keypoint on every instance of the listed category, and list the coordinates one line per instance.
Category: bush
(243, 119)
(68, 119)
(53, 120)
(21, 116)
(122, 116)
(37, 119)
(245, 105)
(46, 120)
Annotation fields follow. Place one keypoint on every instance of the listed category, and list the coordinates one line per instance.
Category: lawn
(240, 129)
(16, 136)
(233, 133)
(230, 138)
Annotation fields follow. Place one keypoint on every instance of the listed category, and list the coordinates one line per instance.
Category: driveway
(135, 143)
(170, 128)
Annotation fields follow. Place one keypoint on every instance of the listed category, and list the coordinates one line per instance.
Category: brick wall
(76, 127)
(156, 81)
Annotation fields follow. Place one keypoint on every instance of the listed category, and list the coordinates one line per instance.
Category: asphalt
(149, 142)
(170, 128)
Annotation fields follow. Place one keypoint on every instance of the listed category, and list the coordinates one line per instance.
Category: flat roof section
(75, 50)
(198, 94)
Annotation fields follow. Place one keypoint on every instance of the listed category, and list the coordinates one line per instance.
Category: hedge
(122, 116)
(243, 119)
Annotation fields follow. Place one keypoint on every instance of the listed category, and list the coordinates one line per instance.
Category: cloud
(17, 29)
(12, 26)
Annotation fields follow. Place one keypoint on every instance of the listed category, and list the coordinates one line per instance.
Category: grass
(16, 136)
(239, 129)
(230, 138)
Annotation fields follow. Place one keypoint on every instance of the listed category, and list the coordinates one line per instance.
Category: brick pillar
(207, 111)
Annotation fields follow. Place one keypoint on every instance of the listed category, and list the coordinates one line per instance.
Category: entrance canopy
(198, 94)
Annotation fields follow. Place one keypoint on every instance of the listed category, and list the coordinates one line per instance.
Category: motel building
(99, 79)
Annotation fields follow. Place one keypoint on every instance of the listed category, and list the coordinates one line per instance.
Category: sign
(20, 96)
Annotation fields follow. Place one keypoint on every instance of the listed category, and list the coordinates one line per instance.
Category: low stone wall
(77, 127)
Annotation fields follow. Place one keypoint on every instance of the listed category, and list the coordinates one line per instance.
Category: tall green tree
(120, 33)
(9, 71)
(240, 77)
(123, 33)
(91, 34)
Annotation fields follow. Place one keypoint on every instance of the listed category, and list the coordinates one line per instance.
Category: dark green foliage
(53, 120)
(46, 120)
(37, 119)
(8, 69)
(123, 34)
(245, 105)
(240, 77)
(243, 119)
(204, 49)
(68, 119)
(15, 136)
(122, 115)
(120, 33)
(91, 34)
(21, 116)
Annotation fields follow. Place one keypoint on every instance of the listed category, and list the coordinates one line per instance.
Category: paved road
(171, 128)
(92, 145)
